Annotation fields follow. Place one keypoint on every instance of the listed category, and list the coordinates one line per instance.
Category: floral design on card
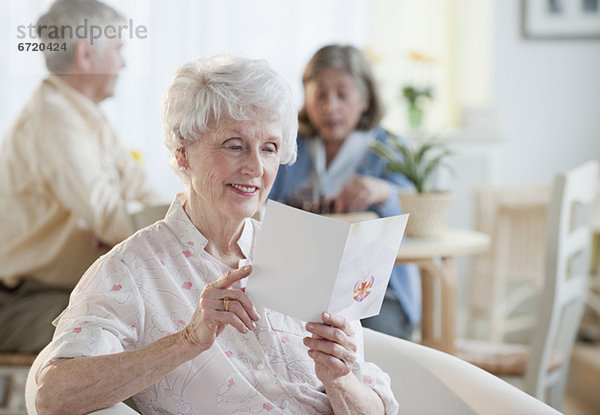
(363, 288)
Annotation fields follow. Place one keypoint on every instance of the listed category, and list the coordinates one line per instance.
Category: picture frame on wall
(560, 19)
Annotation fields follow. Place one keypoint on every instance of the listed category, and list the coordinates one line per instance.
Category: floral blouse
(148, 287)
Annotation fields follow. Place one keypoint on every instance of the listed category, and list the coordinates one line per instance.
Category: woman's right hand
(360, 192)
(211, 316)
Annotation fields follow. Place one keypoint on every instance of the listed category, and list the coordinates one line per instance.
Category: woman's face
(334, 104)
(232, 168)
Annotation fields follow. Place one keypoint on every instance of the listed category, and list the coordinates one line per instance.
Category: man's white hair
(66, 15)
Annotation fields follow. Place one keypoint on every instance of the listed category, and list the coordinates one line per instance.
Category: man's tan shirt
(64, 184)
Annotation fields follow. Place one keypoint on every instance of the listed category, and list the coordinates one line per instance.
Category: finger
(331, 348)
(338, 321)
(227, 317)
(335, 335)
(360, 202)
(215, 314)
(343, 201)
(328, 205)
(232, 276)
(331, 334)
(238, 309)
(338, 205)
(344, 196)
(355, 195)
(238, 303)
(236, 295)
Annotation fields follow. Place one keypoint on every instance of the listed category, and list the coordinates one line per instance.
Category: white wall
(547, 97)
(543, 111)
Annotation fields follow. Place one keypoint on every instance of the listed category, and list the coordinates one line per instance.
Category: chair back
(512, 271)
(147, 215)
(568, 245)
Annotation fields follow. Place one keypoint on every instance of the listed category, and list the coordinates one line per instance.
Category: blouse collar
(188, 235)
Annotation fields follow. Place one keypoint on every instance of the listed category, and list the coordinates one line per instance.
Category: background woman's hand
(332, 347)
(360, 192)
(210, 317)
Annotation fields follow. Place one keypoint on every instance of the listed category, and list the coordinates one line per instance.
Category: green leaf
(417, 163)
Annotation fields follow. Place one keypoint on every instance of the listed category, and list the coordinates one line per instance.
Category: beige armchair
(425, 381)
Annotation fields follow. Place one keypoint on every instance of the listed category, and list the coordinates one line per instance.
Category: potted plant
(428, 208)
(419, 90)
(414, 98)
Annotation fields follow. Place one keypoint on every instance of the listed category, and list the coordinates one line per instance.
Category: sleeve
(278, 190)
(371, 375)
(104, 314)
(84, 175)
(290, 178)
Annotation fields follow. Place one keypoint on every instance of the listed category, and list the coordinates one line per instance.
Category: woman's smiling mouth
(244, 189)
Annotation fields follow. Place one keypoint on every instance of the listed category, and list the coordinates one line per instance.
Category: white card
(305, 264)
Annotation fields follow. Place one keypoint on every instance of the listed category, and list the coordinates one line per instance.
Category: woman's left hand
(360, 192)
(331, 346)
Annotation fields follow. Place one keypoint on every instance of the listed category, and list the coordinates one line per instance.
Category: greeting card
(305, 263)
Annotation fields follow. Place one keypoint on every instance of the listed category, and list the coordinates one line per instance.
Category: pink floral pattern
(148, 287)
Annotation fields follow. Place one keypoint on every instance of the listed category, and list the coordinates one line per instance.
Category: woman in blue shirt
(336, 172)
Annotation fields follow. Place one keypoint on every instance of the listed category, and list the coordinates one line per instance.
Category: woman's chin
(243, 210)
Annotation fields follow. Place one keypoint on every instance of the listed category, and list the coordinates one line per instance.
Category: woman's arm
(332, 348)
(82, 385)
(85, 384)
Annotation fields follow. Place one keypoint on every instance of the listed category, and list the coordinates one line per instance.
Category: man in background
(65, 180)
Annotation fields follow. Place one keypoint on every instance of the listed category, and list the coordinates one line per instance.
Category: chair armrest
(427, 381)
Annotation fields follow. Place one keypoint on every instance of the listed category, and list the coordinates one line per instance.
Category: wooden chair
(544, 365)
(511, 273)
(13, 372)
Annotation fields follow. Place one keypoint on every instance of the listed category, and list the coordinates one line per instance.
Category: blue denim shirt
(404, 281)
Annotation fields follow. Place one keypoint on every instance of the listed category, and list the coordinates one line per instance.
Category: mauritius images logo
(362, 288)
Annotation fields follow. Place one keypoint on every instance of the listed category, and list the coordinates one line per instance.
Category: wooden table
(435, 259)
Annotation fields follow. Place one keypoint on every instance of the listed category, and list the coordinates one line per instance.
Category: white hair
(65, 16)
(203, 92)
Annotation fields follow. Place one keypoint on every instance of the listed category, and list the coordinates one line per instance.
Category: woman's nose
(252, 163)
(330, 104)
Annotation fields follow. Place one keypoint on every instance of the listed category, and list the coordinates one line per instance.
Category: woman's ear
(181, 157)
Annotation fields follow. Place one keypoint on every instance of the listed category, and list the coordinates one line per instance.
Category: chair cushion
(500, 359)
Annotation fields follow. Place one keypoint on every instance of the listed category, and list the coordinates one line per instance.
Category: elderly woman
(337, 172)
(163, 316)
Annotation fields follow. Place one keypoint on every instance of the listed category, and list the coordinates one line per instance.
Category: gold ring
(226, 303)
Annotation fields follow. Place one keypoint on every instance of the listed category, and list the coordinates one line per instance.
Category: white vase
(428, 213)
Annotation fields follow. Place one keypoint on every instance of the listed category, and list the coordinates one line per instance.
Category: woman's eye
(270, 148)
(233, 144)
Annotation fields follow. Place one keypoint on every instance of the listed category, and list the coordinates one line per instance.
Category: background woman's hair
(203, 92)
(353, 61)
